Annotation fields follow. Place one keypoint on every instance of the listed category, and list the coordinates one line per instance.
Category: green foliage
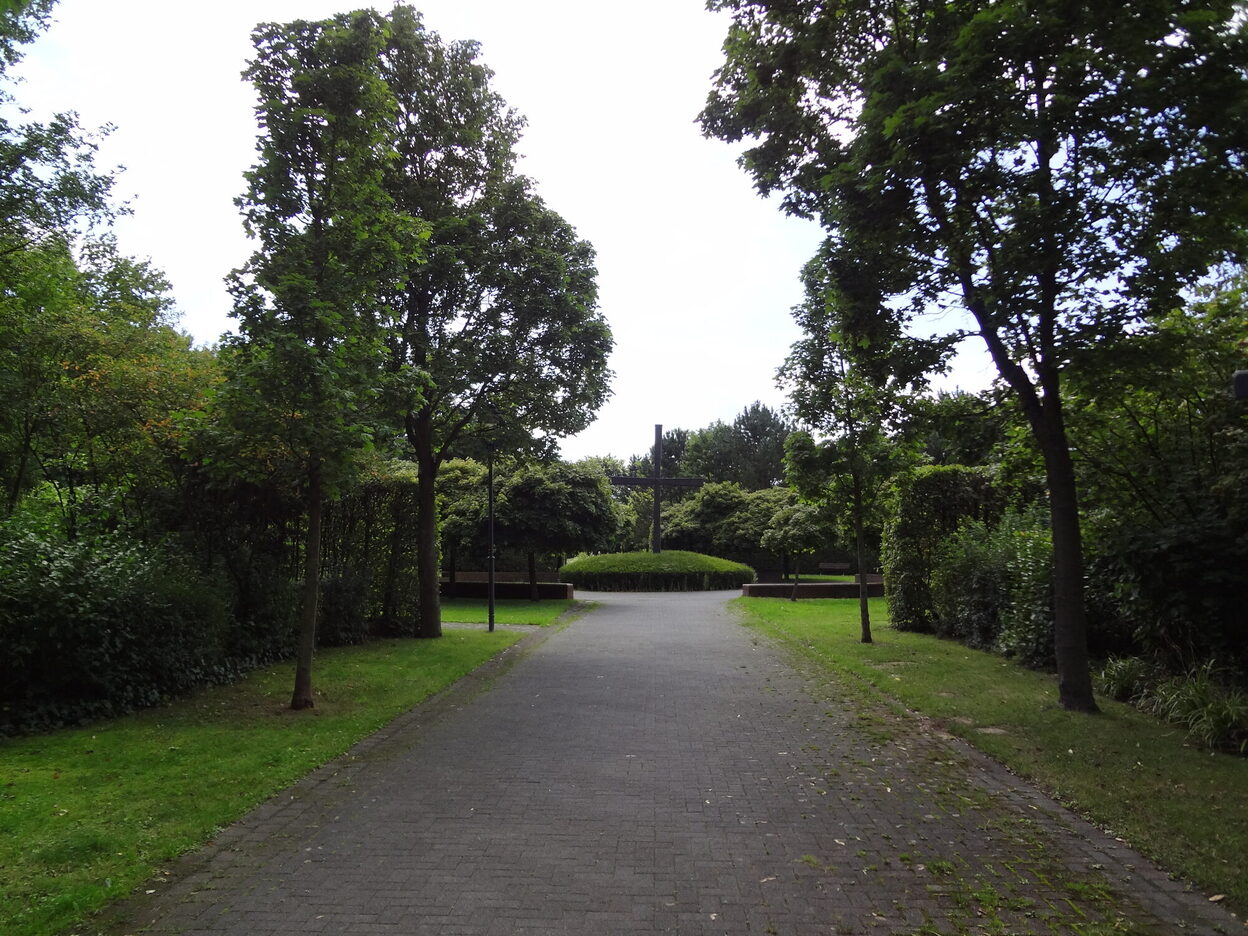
(957, 428)
(1128, 678)
(723, 519)
(1214, 715)
(969, 585)
(991, 587)
(927, 505)
(307, 358)
(1059, 173)
(799, 530)
(101, 625)
(1175, 591)
(1027, 617)
(671, 570)
(555, 508)
(462, 509)
(369, 560)
(1159, 444)
(749, 451)
(50, 188)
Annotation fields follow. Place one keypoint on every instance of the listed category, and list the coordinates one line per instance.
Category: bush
(100, 626)
(1128, 679)
(1177, 591)
(992, 587)
(970, 586)
(1214, 715)
(343, 621)
(927, 507)
(672, 570)
(1027, 618)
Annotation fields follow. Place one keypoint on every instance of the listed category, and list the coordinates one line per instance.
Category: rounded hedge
(672, 570)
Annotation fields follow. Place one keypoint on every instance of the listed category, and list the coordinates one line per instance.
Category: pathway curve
(655, 768)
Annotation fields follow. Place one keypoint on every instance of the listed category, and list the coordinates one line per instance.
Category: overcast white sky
(696, 272)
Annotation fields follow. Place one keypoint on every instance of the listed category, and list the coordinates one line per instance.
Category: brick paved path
(653, 768)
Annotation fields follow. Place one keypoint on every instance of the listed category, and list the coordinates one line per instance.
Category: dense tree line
(173, 514)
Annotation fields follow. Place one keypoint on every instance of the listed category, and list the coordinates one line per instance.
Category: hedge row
(107, 623)
(673, 570)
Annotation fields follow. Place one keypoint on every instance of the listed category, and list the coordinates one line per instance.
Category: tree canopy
(1056, 171)
(307, 360)
(501, 311)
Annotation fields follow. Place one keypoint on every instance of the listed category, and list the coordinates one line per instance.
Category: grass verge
(86, 814)
(1129, 773)
(507, 610)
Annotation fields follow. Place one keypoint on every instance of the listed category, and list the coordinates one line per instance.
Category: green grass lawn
(507, 610)
(1128, 772)
(86, 814)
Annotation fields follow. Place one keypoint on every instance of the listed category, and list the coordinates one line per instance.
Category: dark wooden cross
(658, 482)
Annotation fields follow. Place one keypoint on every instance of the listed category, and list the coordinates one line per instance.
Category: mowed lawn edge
(520, 611)
(1127, 772)
(88, 814)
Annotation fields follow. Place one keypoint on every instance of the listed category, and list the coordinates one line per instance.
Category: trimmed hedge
(93, 628)
(928, 506)
(672, 570)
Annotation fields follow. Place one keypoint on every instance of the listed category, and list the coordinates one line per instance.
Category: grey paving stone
(654, 768)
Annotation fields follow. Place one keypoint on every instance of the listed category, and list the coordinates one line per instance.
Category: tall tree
(1056, 170)
(49, 185)
(50, 191)
(501, 312)
(307, 357)
(749, 450)
(852, 394)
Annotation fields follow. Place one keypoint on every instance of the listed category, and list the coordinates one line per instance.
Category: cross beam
(658, 482)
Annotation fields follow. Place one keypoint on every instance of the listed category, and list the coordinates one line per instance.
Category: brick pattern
(653, 768)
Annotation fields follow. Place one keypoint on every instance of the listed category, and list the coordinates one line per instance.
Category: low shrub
(1177, 591)
(927, 507)
(672, 570)
(1215, 715)
(970, 586)
(1027, 618)
(991, 587)
(343, 620)
(1129, 678)
(96, 626)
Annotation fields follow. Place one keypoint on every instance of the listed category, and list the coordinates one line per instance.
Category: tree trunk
(860, 550)
(15, 489)
(1070, 627)
(301, 698)
(797, 578)
(420, 434)
(533, 592)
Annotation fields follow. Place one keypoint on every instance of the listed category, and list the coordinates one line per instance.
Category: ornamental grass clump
(672, 570)
(1214, 713)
